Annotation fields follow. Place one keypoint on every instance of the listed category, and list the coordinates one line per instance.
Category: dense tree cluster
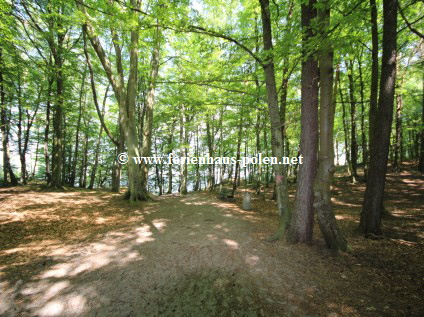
(339, 82)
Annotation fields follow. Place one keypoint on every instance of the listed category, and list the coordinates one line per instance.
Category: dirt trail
(184, 257)
(176, 256)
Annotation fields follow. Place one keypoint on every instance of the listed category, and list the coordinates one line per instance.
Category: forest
(212, 158)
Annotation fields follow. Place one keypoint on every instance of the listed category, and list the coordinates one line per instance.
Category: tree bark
(301, 227)
(183, 152)
(211, 176)
(57, 155)
(421, 158)
(379, 147)
(5, 123)
(75, 159)
(274, 115)
(237, 167)
(322, 185)
(353, 141)
(150, 101)
(374, 70)
(99, 139)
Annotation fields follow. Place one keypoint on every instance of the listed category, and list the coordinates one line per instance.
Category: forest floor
(88, 253)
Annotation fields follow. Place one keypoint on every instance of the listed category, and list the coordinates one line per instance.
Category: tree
(372, 208)
(301, 226)
(322, 192)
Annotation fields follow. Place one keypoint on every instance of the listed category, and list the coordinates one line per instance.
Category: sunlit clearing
(231, 243)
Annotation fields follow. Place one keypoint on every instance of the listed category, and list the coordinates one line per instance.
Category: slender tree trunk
(398, 134)
(183, 153)
(274, 115)
(197, 182)
(237, 167)
(374, 70)
(99, 139)
(46, 133)
(5, 122)
(345, 132)
(19, 124)
(353, 141)
(84, 163)
(150, 101)
(301, 227)
(57, 155)
(379, 146)
(169, 191)
(211, 177)
(322, 185)
(36, 155)
(421, 158)
(75, 160)
(258, 151)
(363, 128)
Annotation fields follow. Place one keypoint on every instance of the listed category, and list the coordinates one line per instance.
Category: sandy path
(188, 257)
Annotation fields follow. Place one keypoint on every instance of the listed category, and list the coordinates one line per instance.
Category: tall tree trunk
(398, 134)
(46, 131)
(322, 185)
(303, 215)
(211, 176)
(258, 184)
(421, 158)
(36, 155)
(75, 159)
(379, 147)
(374, 70)
(150, 101)
(126, 100)
(84, 161)
(363, 128)
(345, 131)
(169, 191)
(353, 141)
(197, 182)
(5, 122)
(274, 115)
(22, 157)
(183, 152)
(57, 155)
(237, 167)
(99, 139)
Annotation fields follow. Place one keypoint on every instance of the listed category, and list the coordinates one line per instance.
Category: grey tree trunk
(301, 226)
(211, 176)
(75, 158)
(5, 123)
(322, 185)
(379, 146)
(183, 152)
(150, 101)
(274, 115)
(374, 70)
(353, 141)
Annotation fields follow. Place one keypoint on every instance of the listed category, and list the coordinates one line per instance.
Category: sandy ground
(87, 253)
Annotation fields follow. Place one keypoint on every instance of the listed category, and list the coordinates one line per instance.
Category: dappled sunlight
(252, 260)
(104, 257)
(231, 244)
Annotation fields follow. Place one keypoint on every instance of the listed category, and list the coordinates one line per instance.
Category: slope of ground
(88, 253)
